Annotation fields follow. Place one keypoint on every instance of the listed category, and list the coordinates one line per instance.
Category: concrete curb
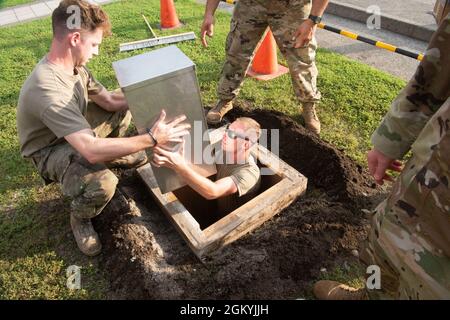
(388, 22)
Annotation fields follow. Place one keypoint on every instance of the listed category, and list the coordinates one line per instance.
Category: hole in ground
(206, 212)
(146, 258)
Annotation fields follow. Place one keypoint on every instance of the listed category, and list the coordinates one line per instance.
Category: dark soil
(146, 258)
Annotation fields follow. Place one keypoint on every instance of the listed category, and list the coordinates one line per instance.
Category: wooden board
(239, 222)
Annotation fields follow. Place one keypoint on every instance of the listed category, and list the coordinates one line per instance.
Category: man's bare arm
(96, 150)
(207, 28)
(110, 101)
(205, 187)
(208, 189)
(211, 7)
(318, 7)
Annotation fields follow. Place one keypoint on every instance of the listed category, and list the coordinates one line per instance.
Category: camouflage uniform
(248, 24)
(90, 186)
(410, 235)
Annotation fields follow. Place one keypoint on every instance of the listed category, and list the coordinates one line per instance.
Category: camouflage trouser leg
(410, 238)
(247, 26)
(301, 61)
(90, 186)
(250, 20)
(108, 124)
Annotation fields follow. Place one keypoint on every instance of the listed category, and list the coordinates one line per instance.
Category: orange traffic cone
(169, 18)
(265, 63)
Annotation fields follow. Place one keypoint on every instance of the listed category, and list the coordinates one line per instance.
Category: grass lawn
(36, 244)
(12, 3)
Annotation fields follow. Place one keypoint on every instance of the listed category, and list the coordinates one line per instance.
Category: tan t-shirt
(247, 178)
(53, 104)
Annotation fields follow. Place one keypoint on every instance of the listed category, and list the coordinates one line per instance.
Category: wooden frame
(246, 218)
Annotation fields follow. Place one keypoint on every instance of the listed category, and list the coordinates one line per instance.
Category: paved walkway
(418, 11)
(31, 11)
(412, 18)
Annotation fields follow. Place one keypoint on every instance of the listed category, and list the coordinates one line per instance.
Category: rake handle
(149, 27)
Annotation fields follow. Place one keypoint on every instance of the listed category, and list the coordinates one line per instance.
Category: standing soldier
(410, 233)
(293, 23)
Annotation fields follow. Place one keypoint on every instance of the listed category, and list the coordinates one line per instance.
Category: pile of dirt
(146, 258)
(326, 167)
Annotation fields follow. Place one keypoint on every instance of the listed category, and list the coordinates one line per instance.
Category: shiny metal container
(165, 79)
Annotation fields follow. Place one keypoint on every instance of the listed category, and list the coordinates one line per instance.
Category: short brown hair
(91, 18)
(250, 126)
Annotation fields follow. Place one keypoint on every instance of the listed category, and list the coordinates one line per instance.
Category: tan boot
(216, 114)
(85, 236)
(332, 290)
(312, 122)
(133, 160)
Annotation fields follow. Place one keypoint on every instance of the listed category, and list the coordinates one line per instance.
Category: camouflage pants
(248, 25)
(410, 234)
(90, 186)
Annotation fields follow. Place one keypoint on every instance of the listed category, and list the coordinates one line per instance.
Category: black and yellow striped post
(379, 44)
(354, 36)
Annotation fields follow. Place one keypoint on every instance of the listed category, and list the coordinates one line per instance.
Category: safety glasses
(234, 135)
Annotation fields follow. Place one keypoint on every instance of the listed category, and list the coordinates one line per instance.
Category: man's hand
(206, 188)
(304, 34)
(207, 29)
(172, 160)
(170, 132)
(379, 163)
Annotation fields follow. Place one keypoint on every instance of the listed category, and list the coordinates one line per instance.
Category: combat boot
(332, 290)
(216, 114)
(85, 236)
(309, 114)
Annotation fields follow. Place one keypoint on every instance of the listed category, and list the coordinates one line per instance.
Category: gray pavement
(418, 11)
(31, 11)
(395, 64)
(413, 18)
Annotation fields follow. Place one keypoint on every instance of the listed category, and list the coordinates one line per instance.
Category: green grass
(352, 274)
(35, 240)
(36, 249)
(12, 3)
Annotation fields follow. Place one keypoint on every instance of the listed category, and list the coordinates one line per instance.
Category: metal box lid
(151, 65)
